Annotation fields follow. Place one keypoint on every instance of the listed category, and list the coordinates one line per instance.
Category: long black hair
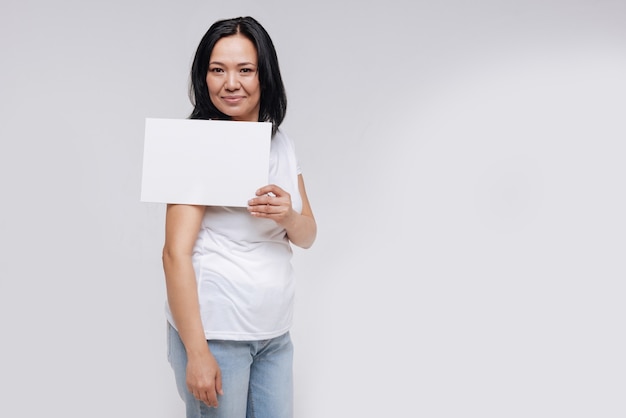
(273, 104)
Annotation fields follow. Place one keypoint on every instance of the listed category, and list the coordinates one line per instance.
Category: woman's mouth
(232, 99)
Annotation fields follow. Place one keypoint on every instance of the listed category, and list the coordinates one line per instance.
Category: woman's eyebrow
(239, 64)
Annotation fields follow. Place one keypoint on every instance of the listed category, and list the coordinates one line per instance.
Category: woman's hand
(273, 203)
(204, 379)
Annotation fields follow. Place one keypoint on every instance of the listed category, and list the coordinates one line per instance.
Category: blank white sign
(204, 162)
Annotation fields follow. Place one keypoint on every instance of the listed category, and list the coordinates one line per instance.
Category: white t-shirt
(243, 264)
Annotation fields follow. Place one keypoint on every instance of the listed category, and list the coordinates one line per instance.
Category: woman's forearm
(182, 224)
(182, 297)
(302, 230)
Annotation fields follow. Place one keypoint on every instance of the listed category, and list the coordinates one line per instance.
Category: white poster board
(204, 162)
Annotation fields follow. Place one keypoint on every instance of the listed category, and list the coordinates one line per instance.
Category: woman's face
(233, 78)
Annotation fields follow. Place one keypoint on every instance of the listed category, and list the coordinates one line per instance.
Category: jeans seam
(250, 403)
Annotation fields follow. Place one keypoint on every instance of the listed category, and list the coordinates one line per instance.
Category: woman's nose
(232, 82)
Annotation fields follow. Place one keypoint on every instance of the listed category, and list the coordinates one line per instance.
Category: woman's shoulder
(282, 137)
(282, 143)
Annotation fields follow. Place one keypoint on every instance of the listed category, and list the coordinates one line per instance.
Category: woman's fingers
(270, 200)
(270, 189)
(269, 205)
(204, 380)
(208, 396)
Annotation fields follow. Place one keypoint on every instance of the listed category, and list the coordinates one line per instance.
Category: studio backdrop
(464, 161)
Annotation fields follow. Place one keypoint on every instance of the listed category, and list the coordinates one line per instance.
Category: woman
(228, 270)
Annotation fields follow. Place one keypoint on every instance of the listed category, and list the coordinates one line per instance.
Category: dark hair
(273, 104)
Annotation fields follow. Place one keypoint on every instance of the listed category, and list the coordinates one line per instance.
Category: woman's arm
(301, 227)
(182, 223)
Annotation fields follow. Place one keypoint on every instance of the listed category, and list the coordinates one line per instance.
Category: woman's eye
(216, 70)
(246, 70)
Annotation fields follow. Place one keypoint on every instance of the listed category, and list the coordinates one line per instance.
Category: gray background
(465, 162)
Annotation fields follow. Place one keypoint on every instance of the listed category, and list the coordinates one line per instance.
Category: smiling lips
(233, 99)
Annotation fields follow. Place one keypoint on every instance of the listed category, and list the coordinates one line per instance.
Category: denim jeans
(257, 377)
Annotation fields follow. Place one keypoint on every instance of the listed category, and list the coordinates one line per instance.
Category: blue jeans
(257, 377)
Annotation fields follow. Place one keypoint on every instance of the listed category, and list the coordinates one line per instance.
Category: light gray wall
(465, 161)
